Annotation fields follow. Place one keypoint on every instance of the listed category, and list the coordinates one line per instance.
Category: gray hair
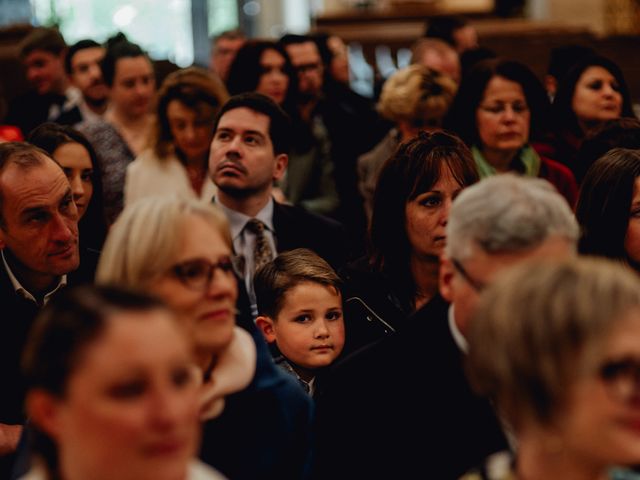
(508, 213)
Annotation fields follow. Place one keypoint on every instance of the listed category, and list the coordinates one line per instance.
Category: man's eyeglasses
(308, 67)
(477, 285)
(197, 274)
(622, 378)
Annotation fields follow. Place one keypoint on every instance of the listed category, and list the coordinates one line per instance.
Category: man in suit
(38, 248)
(248, 153)
(403, 408)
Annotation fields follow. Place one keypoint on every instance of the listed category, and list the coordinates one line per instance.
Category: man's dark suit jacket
(296, 228)
(403, 408)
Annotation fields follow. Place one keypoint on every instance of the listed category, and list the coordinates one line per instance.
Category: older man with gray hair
(501, 221)
(404, 408)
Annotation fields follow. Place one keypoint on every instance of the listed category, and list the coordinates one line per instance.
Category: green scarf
(526, 162)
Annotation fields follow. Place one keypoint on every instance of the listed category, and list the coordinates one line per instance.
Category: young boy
(300, 311)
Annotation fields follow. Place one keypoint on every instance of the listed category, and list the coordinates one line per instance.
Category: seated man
(38, 248)
(372, 418)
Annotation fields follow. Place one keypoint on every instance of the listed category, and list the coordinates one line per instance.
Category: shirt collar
(457, 335)
(23, 292)
(237, 220)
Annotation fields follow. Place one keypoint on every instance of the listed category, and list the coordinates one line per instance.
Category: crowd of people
(250, 271)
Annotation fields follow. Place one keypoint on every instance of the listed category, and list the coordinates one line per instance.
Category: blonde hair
(539, 327)
(418, 95)
(144, 241)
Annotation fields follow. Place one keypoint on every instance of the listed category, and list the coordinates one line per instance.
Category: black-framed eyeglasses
(198, 273)
(622, 378)
(477, 285)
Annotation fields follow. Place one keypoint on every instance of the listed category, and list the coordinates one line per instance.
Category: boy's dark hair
(279, 125)
(42, 38)
(287, 270)
(562, 58)
(444, 27)
(75, 48)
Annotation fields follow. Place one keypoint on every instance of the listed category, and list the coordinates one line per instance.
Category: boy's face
(309, 329)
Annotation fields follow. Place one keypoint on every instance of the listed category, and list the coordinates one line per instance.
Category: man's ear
(282, 160)
(265, 324)
(43, 409)
(446, 279)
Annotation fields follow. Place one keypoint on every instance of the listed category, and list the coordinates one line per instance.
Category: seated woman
(557, 348)
(415, 98)
(256, 418)
(126, 127)
(111, 390)
(592, 92)
(76, 156)
(608, 209)
(499, 108)
(410, 210)
(263, 66)
(178, 161)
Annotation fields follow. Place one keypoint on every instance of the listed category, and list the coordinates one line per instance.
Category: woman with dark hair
(178, 160)
(592, 92)
(499, 108)
(111, 390)
(127, 124)
(608, 208)
(76, 156)
(410, 210)
(264, 66)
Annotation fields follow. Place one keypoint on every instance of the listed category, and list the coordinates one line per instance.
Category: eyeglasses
(308, 67)
(477, 285)
(622, 378)
(197, 274)
(517, 108)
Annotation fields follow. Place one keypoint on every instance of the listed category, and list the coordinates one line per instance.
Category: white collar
(237, 220)
(20, 290)
(233, 371)
(457, 335)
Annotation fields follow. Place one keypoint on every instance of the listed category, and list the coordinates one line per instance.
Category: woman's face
(632, 237)
(133, 86)
(208, 311)
(426, 216)
(273, 81)
(601, 418)
(503, 116)
(597, 96)
(130, 409)
(192, 131)
(76, 163)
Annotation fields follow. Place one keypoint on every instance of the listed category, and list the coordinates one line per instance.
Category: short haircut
(564, 117)
(294, 39)
(418, 95)
(279, 122)
(462, 114)
(423, 45)
(507, 213)
(604, 203)
(118, 47)
(25, 156)
(197, 90)
(289, 269)
(619, 132)
(75, 48)
(413, 169)
(235, 34)
(62, 331)
(444, 27)
(145, 240)
(540, 327)
(42, 38)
